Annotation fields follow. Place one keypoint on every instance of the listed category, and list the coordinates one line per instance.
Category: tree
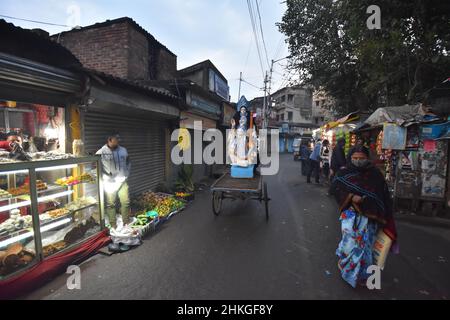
(331, 47)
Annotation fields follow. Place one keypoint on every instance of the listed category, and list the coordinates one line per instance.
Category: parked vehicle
(296, 147)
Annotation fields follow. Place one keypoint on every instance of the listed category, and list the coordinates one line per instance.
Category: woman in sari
(365, 206)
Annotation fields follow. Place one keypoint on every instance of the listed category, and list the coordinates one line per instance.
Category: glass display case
(47, 207)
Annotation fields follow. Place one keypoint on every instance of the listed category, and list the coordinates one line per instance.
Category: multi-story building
(293, 104)
(292, 108)
(322, 108)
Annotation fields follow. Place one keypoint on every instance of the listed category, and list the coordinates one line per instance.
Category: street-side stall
(50, 217)
(50, 200)
(341, 128)
(403, 146)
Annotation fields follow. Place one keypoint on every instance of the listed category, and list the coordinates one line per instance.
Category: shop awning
(348, 118)
(405, 115)
(28, 81)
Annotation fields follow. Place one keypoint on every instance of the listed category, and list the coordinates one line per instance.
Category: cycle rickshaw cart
(227, 187)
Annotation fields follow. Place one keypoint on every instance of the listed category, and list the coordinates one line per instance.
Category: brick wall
(166, 68)
(122, 51)
(138, 56)
(104, 49)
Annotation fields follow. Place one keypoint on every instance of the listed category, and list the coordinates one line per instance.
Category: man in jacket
(116, 170)
(314, 162)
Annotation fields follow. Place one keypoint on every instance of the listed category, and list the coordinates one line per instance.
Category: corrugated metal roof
(135, 84)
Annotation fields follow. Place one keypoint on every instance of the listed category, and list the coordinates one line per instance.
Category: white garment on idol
(237, 147)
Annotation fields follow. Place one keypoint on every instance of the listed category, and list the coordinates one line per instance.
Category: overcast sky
(195, 30)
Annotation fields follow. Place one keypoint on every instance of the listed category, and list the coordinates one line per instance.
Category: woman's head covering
(359, 148)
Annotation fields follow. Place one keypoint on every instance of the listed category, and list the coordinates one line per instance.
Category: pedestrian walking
(325, 159)
(116, 167)
(314, 162)
(365, 206)
(304, 157)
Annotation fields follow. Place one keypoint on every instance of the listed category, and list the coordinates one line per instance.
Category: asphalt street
(238, 255)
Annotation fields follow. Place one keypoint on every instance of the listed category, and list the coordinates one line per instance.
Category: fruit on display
(144, 218)
(4, 194)
(168, 205)
(184, 195)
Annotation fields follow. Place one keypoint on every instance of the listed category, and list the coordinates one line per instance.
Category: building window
(282, 117)
(317, 103)
(290, 116)
(290, 97)
(316, 120)
(283, 98)
(278, 118)
(322, 119)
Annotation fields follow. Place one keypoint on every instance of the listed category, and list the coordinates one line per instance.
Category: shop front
(143, 117)
(51, 207)
(406, 146)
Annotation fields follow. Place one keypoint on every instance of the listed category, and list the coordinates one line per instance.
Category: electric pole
(240, 81)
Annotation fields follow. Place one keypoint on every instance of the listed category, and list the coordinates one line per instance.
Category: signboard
(218, 85)
(285, 128)
(394, 137)
(188, 121)
(228, 113)
(204, 105)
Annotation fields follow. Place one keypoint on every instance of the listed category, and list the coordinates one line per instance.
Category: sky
(195, 30)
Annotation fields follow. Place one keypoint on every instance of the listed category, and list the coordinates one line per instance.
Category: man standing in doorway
(116, 170)
(314, 162)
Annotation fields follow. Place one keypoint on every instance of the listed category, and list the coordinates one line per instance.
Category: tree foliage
(331, 47)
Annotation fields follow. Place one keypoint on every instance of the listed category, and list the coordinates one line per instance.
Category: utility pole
(240, 81)
(266, 80)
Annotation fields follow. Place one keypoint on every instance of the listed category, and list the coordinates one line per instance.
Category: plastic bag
(126, 235)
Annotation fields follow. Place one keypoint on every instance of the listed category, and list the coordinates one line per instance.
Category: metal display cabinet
(47, 207)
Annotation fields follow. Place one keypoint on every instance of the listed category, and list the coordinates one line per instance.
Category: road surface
(238, 255)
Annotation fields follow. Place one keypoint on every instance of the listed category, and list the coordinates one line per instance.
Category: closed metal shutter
(144, 139)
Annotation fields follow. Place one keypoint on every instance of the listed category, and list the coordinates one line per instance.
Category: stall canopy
(405, 116)
(351, 117)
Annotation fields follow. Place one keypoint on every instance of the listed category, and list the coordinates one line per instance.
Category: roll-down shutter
(144, 139)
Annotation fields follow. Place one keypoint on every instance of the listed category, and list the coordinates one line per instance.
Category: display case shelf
(54, 230)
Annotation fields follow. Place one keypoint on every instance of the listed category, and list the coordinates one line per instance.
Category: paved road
(239, 256)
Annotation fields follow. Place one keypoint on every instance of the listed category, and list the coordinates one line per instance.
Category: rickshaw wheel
(217, 202)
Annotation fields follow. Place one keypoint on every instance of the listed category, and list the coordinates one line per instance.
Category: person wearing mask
(314, 162)
(359, 142)
(338, 160)
(325, 158)
(116, 167)
(365, 207)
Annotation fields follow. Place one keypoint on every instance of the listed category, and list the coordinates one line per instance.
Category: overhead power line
(262, 33)
(35, 21)
(255, 34)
